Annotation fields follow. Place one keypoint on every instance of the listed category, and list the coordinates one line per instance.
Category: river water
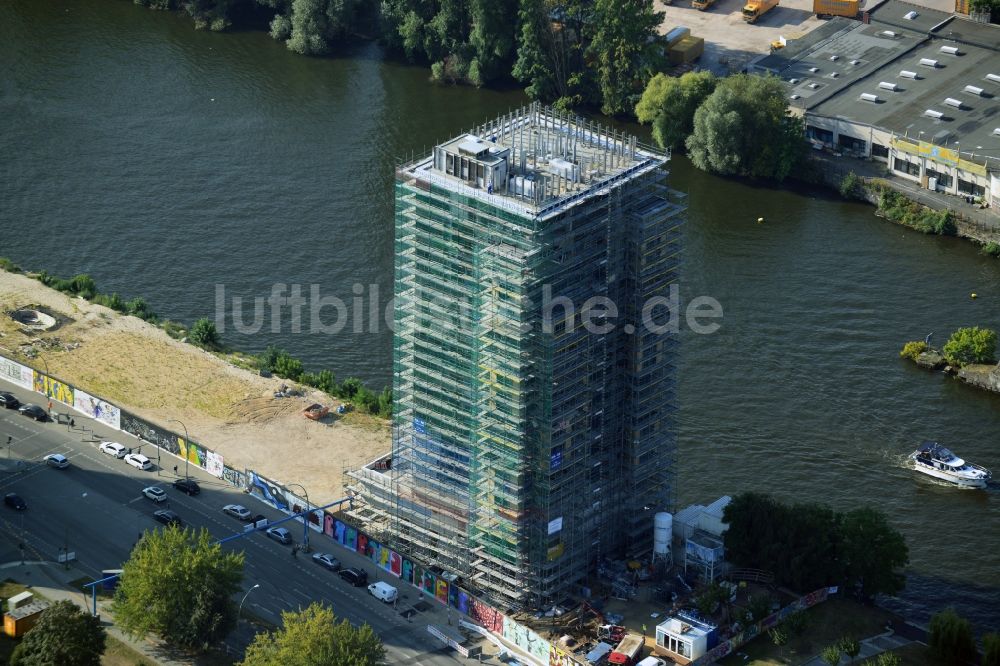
(173, 164)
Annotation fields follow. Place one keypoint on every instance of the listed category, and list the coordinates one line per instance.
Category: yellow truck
(754, 9)
(702, 5)
(847, 8)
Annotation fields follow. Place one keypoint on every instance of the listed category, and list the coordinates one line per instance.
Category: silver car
(280, 534)
(236, 511)
(57, 460)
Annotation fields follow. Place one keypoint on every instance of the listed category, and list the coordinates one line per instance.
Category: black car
(8, 400)
(15, 501)
(34, 411)
(168, 518)
(187, 486)
(356, 577)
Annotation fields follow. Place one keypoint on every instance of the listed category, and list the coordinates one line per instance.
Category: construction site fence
(751, 632)
(106, 414)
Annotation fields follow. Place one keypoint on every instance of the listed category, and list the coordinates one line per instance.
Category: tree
(913, 349)
(850, 646)
(313, 637)
(620, 47)
(971, 345)
(949, 638)
(205, 334)
(669, 104)
(744, 129)
(65, 635)
(831, 655)
(534, 42)
(874, 552)
(491, 38)
(991, 650)
(178, 584)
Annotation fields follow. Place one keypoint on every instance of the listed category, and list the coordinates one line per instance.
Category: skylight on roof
(909, 16)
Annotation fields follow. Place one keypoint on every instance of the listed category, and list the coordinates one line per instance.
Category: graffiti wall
(16, 373)
(97, 409)
(281, 498)
(145, 430)
(53, 388)
(526, 639)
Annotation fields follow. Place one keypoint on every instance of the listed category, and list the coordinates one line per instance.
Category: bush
(950, 638)
(9, 266)
(350, 388)
(913, 349)
(205, 334)
(113, 301)
(898, 208)
(173, 329)
(138, 307)
(288, 366)
(851, 186)
(991, 249)
(971, 345)
(991, 650)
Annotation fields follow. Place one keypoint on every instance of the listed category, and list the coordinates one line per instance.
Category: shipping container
(848, 8)
(687, 50)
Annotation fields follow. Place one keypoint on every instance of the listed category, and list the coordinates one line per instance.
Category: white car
(113, 449)
(56, 460)
(237, 511)
(138, 461)
(155, 493)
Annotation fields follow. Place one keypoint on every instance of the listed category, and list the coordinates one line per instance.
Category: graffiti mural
(270, 492)
(526, 639)
(146, 431)
(559, 658)
(486, 615)
(213, 463)
(194, 453)
(234, 477)
(97, 409)
(53, 388)
(16, 373)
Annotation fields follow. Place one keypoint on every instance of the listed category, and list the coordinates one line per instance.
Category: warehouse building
(912, 87)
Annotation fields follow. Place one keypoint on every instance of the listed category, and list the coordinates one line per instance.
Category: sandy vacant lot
(232, 411)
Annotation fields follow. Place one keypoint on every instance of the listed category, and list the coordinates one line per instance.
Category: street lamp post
(305, 518)
(10, 442)
(187, 445)
(240, 611)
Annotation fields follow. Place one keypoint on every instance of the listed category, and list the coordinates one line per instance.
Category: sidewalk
(869, 648)
(51, 581)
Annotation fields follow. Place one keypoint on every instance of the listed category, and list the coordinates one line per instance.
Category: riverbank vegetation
(736, 126)
(808, 546)
(205, 334)
(971, 345)
(896, 207)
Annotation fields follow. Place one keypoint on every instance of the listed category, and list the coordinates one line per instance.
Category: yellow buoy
(760, 220)
(973, 294)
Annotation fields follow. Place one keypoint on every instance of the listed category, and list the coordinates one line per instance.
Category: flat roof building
(914, 87)
(528, 444)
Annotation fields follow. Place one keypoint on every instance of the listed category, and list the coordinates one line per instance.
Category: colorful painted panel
(16, 373)
(526, 639)
(53, 388)
(97, 409)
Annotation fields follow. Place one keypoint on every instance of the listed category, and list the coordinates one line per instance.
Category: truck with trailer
(830, 8)
(627, 652)
(754, 9)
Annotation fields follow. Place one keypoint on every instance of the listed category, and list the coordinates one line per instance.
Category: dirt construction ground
(140, 368)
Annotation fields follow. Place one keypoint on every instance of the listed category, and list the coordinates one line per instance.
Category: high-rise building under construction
(534, 364)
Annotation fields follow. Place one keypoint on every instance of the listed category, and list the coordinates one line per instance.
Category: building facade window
(878, 150)
(943, 179)
(908, 168)
(853, 144)
(824, 135)
(969, 187)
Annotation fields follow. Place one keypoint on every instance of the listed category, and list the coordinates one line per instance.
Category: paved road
(96, 509)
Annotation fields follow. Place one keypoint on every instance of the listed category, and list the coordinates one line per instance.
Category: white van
(652, 661)
(384, 591)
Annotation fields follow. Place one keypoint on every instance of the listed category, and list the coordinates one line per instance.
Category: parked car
(57, 460)
(8, 400)
(34, 411)
(15, 501)
(187, 486)
(138, 461)
(237, 511)
(327, 561)
(155, 493)
(168, 518)
(356, 577)
(280, 534)
(113, 449)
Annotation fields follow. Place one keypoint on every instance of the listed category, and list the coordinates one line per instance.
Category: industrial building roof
(932, 76)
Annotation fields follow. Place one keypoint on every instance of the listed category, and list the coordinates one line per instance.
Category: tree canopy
(314, 637)
(744, 129)
(178, 584)
(971, 345)
(669, 104)
(949, 637)
(65, 635)
(809, 546)
(620, 49)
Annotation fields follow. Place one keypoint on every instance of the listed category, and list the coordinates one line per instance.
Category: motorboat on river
(935, 460)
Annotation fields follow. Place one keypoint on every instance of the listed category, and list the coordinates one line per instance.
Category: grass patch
(915, 654)
(826, 623)
(117, 653)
